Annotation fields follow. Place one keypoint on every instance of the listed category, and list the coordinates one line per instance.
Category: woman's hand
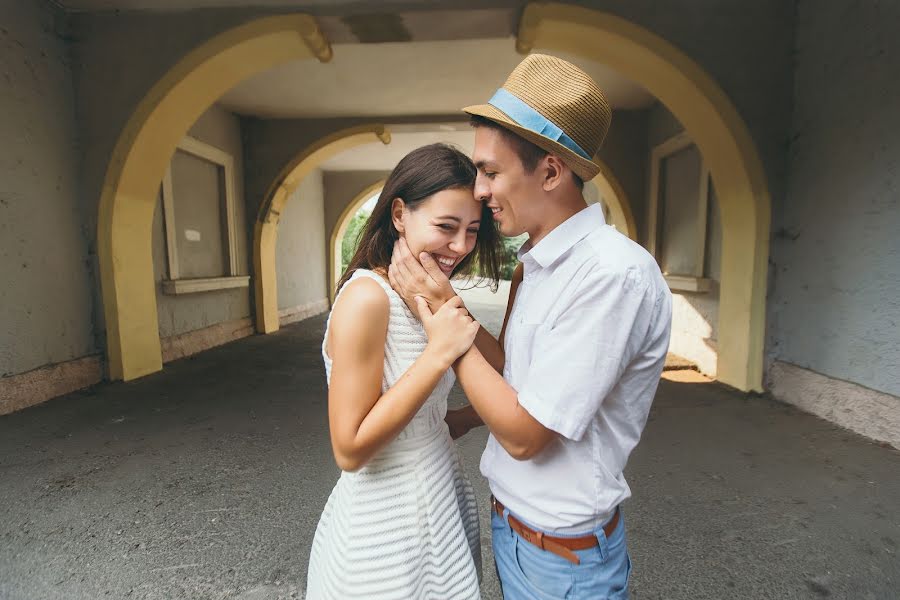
(451, 330)
(411, 277)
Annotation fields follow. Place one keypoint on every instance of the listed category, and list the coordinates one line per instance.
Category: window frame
(176, 285)
(686, 282)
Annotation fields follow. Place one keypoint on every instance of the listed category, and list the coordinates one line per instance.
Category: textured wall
(695, 316)
(190, 312)
(45, 301)
(300, 250)
(837, 284)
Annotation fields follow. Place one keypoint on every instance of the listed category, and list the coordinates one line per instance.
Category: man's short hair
(529, 154)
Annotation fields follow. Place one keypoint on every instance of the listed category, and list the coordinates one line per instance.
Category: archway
(338, 231)
(149, 138)
(616, 200)
(724, 141)
(139, 161)
(265, 232)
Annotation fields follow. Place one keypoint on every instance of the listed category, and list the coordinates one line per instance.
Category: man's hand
(411, 277)
(461, 421)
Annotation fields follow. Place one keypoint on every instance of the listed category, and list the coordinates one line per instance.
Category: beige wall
(190, 312)
(300, 251)
(46, 296)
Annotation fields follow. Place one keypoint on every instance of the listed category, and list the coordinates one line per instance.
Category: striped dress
(405, 526)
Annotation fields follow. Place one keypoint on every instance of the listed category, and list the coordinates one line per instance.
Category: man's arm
(464, 419)
(497, 403)
(576, 364)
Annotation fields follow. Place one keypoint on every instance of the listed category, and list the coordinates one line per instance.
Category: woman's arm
(362, 419)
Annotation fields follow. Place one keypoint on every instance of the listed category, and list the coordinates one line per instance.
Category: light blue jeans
(528, 573)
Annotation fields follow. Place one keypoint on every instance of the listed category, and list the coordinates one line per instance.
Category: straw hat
(554, 105)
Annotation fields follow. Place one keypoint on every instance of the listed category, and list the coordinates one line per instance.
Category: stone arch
(340, 227)
(617, 200)
(265, 231)
(138, 163)
(720, 133)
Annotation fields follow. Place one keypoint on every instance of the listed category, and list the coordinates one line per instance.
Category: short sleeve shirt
(585, 345)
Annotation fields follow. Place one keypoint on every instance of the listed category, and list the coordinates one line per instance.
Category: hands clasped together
(450, 328)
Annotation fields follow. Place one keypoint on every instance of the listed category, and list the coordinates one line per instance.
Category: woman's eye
(473, 231)
(446, 227)
(489, 175)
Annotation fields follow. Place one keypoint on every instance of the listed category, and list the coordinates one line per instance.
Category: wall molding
(192, 342)
(41, 384)
(868, 412)
(302, 311)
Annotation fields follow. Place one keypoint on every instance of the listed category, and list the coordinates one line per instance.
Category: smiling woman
(435, 210)
(388, 379)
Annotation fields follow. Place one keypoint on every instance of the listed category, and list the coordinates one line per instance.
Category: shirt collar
(561, 239)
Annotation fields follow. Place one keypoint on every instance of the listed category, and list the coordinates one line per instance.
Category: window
(677, 213)
(198, 212)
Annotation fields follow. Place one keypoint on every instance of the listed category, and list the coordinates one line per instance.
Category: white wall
(300, 251)
(46, 297)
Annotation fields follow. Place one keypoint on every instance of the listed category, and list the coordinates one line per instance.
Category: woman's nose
(458, 243)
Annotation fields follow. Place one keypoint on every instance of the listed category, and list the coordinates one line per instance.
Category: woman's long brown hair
(418, 176)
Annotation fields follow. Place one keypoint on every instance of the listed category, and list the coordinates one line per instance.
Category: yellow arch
(265, 232)
(617, 201)
(723, 139)
(338, 231)
(139, 161)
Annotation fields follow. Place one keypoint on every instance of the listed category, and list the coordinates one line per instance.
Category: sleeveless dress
(405, 526)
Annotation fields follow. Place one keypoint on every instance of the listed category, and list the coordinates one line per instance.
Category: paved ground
(206, 481)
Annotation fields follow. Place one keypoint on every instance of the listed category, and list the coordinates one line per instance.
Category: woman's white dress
(405, 526)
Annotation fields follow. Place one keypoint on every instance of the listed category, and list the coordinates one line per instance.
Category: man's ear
(397, 209)
(554, 171)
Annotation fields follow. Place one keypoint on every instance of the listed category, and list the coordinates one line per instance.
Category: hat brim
(584, 168)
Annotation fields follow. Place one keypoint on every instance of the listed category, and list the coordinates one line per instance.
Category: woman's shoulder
(363, 295)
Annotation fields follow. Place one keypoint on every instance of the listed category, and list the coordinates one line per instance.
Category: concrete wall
(300, 250)
(341, 187)
(625, 152)
(45, 301)
(191, 312)
(695, 316)
(837, 251)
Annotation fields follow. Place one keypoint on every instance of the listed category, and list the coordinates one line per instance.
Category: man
(583, 343)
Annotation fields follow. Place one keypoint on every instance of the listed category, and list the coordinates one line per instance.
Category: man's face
(502, 183)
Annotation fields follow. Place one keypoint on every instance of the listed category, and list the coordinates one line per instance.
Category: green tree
(351, 237)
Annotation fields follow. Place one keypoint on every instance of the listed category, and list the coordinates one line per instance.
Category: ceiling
(401, 78)
(415, 57)
(181, 5)
(384, 157)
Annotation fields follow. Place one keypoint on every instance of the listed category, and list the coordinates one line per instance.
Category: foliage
(509, 260)
(351, 237)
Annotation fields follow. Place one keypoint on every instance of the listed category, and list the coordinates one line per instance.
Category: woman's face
(445, 225)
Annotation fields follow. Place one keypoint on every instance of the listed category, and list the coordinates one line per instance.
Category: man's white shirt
(585, 345)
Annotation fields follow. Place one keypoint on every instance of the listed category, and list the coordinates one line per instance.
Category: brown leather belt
(561, 546)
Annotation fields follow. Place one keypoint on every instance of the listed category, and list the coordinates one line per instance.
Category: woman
(402, 521)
